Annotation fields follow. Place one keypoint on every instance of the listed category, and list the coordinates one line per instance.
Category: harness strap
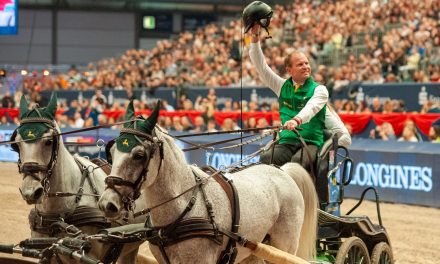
(92, 184)
(137, 132)
(182, 229)
(192, 201)
(204, 146)
(40, 119)
(164, 253)
(60, 226)
(226, 132)
(41, 222)
(8, 142)
(94, 189)
(84, 174)
(88, 218)
(113, 253)
(229, 254)
(101, 163)
(309, 155)
(187, 229)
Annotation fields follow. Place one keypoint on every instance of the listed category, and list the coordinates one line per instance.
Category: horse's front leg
(130, 254)
(136, 258)
(129, 258)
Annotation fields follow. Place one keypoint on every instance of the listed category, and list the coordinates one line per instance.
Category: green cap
(34, 131)
(126, 141)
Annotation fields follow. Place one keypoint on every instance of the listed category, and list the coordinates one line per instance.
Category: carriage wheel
(353, 251)
(382, 254)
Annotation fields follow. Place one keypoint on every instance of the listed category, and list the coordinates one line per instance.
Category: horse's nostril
(38, 193)
(111, 207)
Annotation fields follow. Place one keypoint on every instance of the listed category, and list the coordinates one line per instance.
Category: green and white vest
(291, 103)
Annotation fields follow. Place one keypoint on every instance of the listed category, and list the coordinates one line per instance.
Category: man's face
(299, 68)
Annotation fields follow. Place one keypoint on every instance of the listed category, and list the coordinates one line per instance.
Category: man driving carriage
(303, 102)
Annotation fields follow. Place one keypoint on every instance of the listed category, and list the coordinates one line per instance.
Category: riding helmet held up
(257, 12)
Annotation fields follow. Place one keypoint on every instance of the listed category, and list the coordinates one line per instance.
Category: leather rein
(128, 200)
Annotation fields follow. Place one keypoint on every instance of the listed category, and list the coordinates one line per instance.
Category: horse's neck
(175, 176)
(66, 177)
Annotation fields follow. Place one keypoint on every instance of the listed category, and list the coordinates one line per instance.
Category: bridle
(46, 222)
(113, 181)
(29, 169)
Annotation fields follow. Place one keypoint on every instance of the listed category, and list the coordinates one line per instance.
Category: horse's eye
(138, 156)
(49, 142)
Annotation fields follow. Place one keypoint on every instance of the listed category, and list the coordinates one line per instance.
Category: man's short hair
(288, 59)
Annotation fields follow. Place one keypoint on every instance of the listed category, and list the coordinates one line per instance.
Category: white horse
(279, 203)
(48, 168)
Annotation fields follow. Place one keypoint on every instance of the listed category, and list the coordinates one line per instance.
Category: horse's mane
(60, 138)
(169, 144)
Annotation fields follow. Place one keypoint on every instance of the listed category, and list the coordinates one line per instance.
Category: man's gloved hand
(293, 123)
(255, 33)
(255, 30)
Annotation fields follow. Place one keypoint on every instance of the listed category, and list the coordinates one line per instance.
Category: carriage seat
(324, 160)
(302, 158)
(320, 163)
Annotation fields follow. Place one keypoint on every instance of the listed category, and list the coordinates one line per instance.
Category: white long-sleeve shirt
(335, 125)
(312, 107)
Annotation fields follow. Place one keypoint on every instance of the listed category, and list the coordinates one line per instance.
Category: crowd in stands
(91, 112)
(372, 41)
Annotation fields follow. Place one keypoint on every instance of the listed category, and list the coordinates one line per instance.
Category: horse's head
(37, 145)
(130, 155)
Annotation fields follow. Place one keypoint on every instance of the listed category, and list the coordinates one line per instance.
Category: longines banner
(398, 174)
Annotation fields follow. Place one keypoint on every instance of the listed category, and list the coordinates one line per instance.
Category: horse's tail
(307, 240)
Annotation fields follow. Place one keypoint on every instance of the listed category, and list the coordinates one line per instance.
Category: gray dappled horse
(276, 204)
(48, 168)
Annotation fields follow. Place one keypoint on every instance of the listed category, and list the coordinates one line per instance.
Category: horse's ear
(129, 114)
(152, 119)
(24, 106)
(52, 106)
